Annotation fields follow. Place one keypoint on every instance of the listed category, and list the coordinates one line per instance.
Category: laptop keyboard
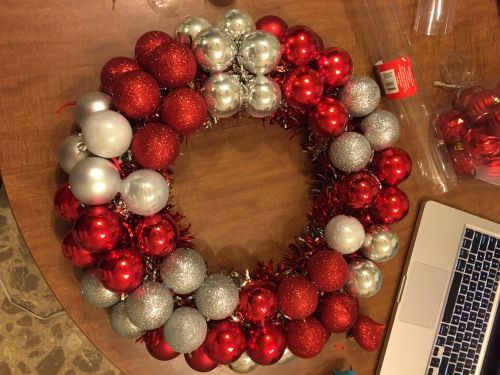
(468, 306)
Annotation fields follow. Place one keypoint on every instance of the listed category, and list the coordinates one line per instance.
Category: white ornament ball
(71, 151)
(361, 96)
(183, 271)
(190, 27)
(236, 23)
(350, 152)
(217, 297)
(364, 278)
(89, 103)
(344, 234)
(121, 324)
(94, 292)
(186, 330)
(381, 129)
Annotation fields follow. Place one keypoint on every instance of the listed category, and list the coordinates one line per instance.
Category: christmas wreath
(135, 247)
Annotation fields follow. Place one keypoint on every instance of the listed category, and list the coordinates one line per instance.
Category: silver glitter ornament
(89, 103)
(149, 306)
(259, 52)
(145, 192)
(361, 95)
(223, 94)
(350, 152)
(94, 292)
(190, 27)
(381, 129)
(121, 324)
(381, 243)
(71, 151)
(214, 49)
(364, 278)
(183, 271)
(243, 365)
(236, 23)
(344, 234)
(217, 297)
(263, 96)
(286, 357)
(186, 330)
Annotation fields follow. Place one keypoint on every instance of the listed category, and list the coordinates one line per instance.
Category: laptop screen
(491, 364)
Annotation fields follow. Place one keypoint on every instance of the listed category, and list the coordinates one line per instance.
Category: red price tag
(397, 78)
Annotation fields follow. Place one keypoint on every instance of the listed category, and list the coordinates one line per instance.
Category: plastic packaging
(435, 17)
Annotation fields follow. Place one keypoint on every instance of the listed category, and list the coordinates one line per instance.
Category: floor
(30, 345)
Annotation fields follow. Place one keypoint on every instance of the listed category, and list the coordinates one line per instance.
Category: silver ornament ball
(259, 52)
(145, 192)
(89, 103)
(350, 152)
(344, 234)
(214, 49)
(286, 357)
(381, 243)
(381, 129)
(71, 151)
(217, 297)
(186, 330)
(263, 96)
(243, 365)
(223, 94)
(121, 324)
(94, 181)
(364, 278)
(190, 27)
(94, 292)
(183, 271)
(361, 96)
(236, 23)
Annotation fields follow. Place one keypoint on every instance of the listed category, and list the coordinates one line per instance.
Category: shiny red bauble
(225, 342)
(392, 166)
(115, 68)
(147, 43)
(301, 45)
(328, 118)
(156, 236)
(65, 203)
(481, 103)
(303, 87)
(390, 206)
(494, 121)
(335, 65)
(368, 333)
(464, 96)
(173, 65)
(199, 360)
(328, 270)
(184, 110)
(157, 346)
(338, 311)
(121, 270)
(463, 163)
(136, 94)
(297, 297)
(452, 126)
(272, 24)
(97, 229)
(258, 302)
(266, 344)
(306, 338)
(155, 146)
(359, 189)
(481, 145)
(79, 256)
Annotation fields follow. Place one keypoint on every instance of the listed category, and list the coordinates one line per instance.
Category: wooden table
(243, 186)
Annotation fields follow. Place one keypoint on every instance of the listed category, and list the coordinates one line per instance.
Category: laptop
(446, 318)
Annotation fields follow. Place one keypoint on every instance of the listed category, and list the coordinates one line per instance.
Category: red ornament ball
(97, 229)
(464, 96)
(301, 45)
(115, 68)
(184, 110)
(306, 338)
(481, 103)
(65, 203)
(392, 166)
(136, 94)
(147, 43)
(452, 126)
(328, 118)
(297, 297)
(463, 163)
(258, 302)
(78, 256)
(225, 342)
(368, 333)
(272, 24)
(364, 217)
(155, 146)
(391, 205)
(494, 121)
(328, 270)
(173, 65)
(339, 311)
(303, 87)
(335, 65)
(199, 360)
(156, 236)
(359, 189)
(158, 347)
(482, 146)
(121, 270)
(266, 344)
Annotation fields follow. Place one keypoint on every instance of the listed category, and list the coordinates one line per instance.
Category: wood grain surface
(243, 186)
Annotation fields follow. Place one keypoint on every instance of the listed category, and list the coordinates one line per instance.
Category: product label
(397, 78)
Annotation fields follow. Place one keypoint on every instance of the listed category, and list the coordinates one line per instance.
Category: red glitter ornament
(79, 256)
(463, 163)
(158, 347)
(173, 65)
(301, 45)
(258, 302)
(390, 206)
(115, 68)
(452, 126)
(297, 297)
(328, 270)
(225, 342)
(359, 189)
(272, 24)
(97, 229)
(199, 360)
(335, 65)
(136, 94)
(481, 103)
(339, 311)
(392, 166)
(266, 344)
(147, 43)
(156, 236)
(303, 87)
(482, 146)
(328, 118)
(368, 333)
(65, 203)
(155, 146)
(121, 270)
(184, 110)
(306, 338)
(464, 96)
